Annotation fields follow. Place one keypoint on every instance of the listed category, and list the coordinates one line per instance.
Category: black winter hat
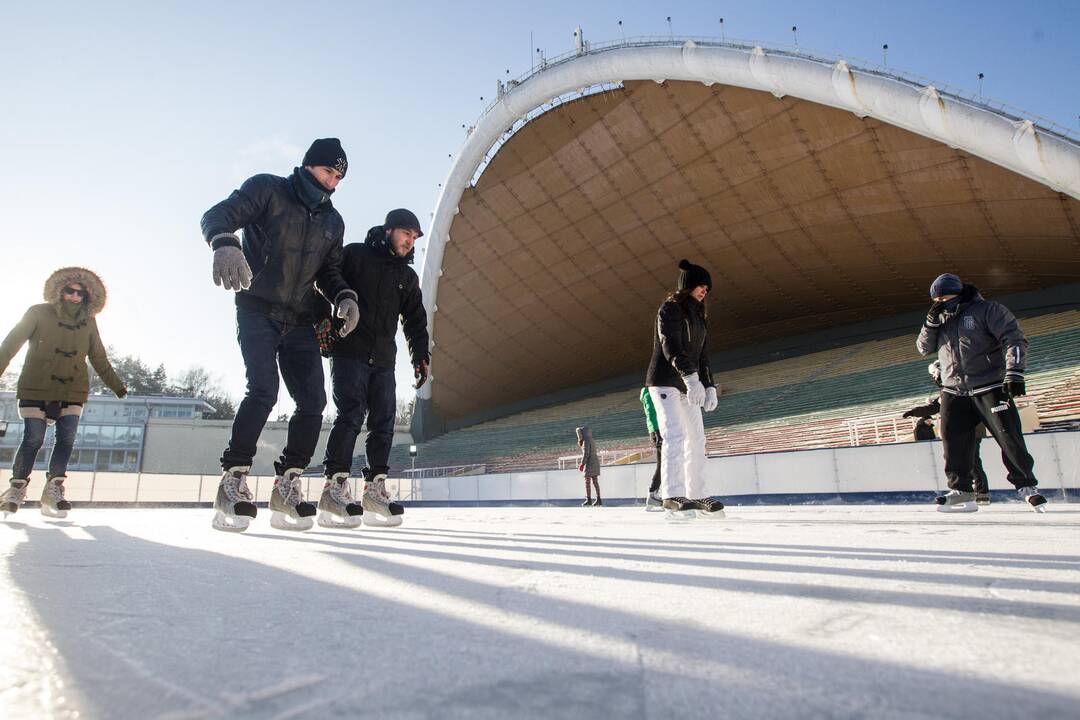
(691, 275)
(947, 284)
(327, 152)
(402, 218)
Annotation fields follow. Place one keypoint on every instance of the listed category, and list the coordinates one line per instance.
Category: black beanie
(402, 218)
(326, 152)
(691, 275)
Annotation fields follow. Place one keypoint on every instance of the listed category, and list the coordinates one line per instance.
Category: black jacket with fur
(387, 288)
(292, 241)
(679, 346)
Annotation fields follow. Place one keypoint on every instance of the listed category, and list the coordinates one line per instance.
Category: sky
(121, 123)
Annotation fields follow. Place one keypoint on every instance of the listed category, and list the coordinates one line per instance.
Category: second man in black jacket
(362, 364)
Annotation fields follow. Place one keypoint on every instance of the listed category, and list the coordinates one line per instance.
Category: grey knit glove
(348, 311)
(231, 269)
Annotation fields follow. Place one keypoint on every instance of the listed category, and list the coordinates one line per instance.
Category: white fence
(867, 469)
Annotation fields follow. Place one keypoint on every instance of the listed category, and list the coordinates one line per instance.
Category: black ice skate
(957, 501)
(653, 502)
(234, 505)
(53, 502)
(13, 497)
(1034, 498)
(337, 508)
(378, 510)
(708, 508)
(288, 510)
(678, 509)
(982, 498)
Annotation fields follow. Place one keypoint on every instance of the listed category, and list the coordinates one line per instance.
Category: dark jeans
(961, 415)
(268, 345)
(34, 437)
(658, 443)
(361, 391)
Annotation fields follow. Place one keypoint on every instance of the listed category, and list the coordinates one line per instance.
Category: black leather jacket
(387, 288)
(679, 346)
(292, 241)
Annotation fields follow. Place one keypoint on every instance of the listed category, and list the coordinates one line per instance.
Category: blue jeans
(361, 391)
(266, 346)
(34, 437)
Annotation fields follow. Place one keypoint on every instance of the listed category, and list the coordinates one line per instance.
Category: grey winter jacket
(977, 345)
(589, 457)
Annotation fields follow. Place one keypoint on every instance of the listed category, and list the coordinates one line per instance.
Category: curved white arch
(1018, 145)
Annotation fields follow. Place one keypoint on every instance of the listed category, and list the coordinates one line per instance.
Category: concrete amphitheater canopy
(816, 193)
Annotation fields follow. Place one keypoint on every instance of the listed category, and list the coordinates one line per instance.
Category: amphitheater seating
(792, 403)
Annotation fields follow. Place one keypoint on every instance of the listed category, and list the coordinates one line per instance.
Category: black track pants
(960, 415)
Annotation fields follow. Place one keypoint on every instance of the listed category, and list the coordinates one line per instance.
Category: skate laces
(341, 491)
(236, 489)
(55, 488)
(289, 487)
(375, 490)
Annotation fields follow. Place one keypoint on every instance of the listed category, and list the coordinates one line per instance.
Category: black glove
(1015, 386)
(933, 317)
(420, 370)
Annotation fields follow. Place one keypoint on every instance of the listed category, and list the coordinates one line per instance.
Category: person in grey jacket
(983, 355)
(589, 465)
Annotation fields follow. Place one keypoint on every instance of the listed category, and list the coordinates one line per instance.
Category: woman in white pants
(681, 385)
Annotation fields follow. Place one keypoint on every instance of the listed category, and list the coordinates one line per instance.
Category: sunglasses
(74, 291)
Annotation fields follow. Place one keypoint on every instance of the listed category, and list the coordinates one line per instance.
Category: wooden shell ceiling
(807, 217)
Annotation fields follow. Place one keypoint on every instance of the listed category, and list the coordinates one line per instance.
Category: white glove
(349, 311)
(695, 391)
(710, 399)
(231, 269)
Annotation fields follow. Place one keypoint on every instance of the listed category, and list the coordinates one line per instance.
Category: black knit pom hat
(691, 275)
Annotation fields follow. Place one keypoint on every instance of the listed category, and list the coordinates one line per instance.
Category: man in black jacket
(983, 354)
(291, 248)
(362, 364)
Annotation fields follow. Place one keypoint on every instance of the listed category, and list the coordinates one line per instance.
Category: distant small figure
(653, 501)
(924, 430)
(589, 465)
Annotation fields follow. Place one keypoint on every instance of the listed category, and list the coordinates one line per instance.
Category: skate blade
(226, 523)
(375, 520)
(330, 520)
(653, 508)
(1040, 508)
(960, 508)
(715, 515)
(678, 516)
(281, 521)
(50, 513)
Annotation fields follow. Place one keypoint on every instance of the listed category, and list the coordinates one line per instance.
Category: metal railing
(445, 471)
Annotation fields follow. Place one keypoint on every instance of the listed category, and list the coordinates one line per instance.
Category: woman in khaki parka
(54, 382)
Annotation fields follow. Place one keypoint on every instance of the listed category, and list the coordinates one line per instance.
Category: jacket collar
(376, 240)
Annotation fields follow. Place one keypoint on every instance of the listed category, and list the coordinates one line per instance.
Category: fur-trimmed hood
(90, 280)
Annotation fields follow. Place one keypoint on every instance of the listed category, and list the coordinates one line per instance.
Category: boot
(13, 497)
(53, 502)
(289, 511)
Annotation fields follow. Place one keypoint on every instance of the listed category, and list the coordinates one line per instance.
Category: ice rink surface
(775, 612)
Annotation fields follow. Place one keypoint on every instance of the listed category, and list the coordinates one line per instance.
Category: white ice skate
(288, 510)
(708, 509)
(378, 510)
(337, 508)
(678, 509)
(234, 505)
(957, 501)
(13, 497)
(653, 502)
(1034, 498)
(53, 502)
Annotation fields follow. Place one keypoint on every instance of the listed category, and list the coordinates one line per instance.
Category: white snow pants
(682, 466)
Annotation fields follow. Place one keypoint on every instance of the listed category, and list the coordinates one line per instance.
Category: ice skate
(53, 502)
(378, 510)
(337, 508)
(708, 508)
(597, 501)
(13, 497)
(587, 502)
(982, 498)
(957, 501)
(288, 510)
(1034, 498)
(653, 502)
(678, 509)
(234, 505)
